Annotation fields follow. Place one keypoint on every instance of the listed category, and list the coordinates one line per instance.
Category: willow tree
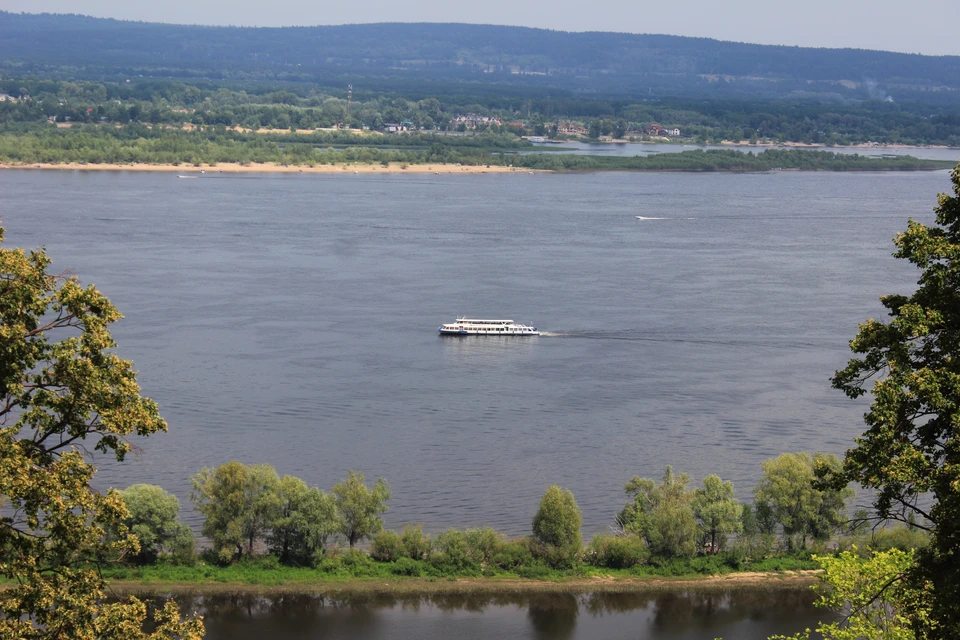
(788, 492)
(910, 452)
(237, 502)
(64, 394)
(661, 514)
(717, 511)
(359, 507)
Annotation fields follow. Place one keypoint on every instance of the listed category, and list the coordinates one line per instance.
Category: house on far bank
(567, 128)
(393, 127)
(656, 131)
(472, 121)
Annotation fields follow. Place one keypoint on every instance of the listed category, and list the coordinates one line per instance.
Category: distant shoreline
(812, 146)
(192, 171)
(271, 167)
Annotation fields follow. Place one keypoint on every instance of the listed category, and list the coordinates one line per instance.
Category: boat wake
(635, 335)
(646, 218)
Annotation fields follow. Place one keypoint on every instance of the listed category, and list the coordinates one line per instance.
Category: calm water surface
(739, 614)
(292, 320)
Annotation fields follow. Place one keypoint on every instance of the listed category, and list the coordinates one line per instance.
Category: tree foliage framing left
(65, 395)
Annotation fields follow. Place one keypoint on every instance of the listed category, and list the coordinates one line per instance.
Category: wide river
(291, 320)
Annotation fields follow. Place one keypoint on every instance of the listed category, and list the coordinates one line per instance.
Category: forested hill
(603, 63)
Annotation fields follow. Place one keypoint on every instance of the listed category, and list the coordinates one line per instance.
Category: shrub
(357, 563)
(483, 544)
(558, 557)
(902, 538)
(408, 567)
(416, 544)
(616, 552)
(387, 546)
(533, 572)
(451, 552)
(514, 553)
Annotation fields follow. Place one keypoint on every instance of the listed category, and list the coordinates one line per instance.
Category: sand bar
(271, 167)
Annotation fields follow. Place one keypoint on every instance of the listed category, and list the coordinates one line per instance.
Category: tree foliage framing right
(910, 454)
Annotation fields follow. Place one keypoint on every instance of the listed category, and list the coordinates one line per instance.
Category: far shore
(426, 586)
(816, 146)
(271, 167)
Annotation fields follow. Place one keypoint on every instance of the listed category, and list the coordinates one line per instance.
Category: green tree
(802, 510)
(64, 393)
(359, 507)
(620, 129)
(558, 520)
(718, 513)
(303, 519)
(910, 451)
(661, 514)
(154, 519)
(237, 502)
(556, 528)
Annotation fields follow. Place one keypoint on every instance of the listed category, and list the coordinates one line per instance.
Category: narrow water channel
(735, 614)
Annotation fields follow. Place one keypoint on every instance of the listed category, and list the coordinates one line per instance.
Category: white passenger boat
(486, 327)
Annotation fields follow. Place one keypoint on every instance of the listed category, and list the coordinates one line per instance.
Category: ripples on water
(744, 614)
(292, 320)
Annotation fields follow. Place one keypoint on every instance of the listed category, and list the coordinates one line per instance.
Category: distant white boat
(646, 218)
(192, 177)
(485, 327)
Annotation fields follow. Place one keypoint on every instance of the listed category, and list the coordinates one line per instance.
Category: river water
(645, 148)
(291, 320)
(692, 614)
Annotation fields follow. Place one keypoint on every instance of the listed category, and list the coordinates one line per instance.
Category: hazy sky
(917, 26)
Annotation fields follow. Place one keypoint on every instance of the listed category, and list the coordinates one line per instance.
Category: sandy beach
(270, 167)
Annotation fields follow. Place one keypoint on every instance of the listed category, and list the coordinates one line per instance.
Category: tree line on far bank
(281, 106)
(250, 511)
(137, 144)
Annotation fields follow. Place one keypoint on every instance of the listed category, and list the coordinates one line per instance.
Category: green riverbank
(420, 577)
(426, 586)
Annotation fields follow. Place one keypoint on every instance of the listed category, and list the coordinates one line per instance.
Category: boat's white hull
(486, 327)
(474, 332)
